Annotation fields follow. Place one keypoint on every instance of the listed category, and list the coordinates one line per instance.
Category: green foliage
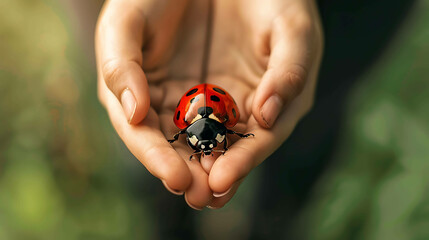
(377, 187)
(57, 151)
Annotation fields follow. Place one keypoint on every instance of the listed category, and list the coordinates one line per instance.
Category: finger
(247, 153)
(148, 144)
(289, 63)
(198, 195)
(219, 202)
(119, 39)
(207, 161)
(235, 164)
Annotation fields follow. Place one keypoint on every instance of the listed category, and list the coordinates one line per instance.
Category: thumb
(276, 90)
(286, 73)
(118, 40)
(128, 83)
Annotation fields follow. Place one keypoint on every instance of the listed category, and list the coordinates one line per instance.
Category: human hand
(267, 55)
(148, 54)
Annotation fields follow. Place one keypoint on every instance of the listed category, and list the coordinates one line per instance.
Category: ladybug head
(205, 134)
(205, 111)
(206, 146)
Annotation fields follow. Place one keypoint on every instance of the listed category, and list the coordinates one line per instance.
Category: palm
(182, 70)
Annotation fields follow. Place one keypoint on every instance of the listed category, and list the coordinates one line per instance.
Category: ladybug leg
(240, 134)
(225, 148)
(176, 136)
(194, 153)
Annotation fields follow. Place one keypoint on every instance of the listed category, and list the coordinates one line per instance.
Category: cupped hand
(267, 55)
(148, 54)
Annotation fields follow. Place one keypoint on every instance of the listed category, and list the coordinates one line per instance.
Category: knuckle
(112, 70)
(298, 22)
(302, 23)
(296, 76)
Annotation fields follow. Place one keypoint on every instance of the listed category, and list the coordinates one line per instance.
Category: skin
(259, 49)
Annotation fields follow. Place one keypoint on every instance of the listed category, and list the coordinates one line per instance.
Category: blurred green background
(64, 174)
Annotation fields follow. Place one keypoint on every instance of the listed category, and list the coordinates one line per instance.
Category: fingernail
(218, 195)
(128, 104)
(192, 206)
(271, 109)
(210, 207)
(176, 192)
(196, 208)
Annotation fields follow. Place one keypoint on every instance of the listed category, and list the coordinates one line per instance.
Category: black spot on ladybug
(234, 113)
(219, 90)
(178, 115)
(178, 103)
(195, 99)
(214, 98)
(192, 91)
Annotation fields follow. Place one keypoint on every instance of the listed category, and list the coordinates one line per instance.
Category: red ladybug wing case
(206, 95)
(224, 107)
(187, 108)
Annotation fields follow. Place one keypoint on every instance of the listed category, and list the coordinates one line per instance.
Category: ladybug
(204, 113)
